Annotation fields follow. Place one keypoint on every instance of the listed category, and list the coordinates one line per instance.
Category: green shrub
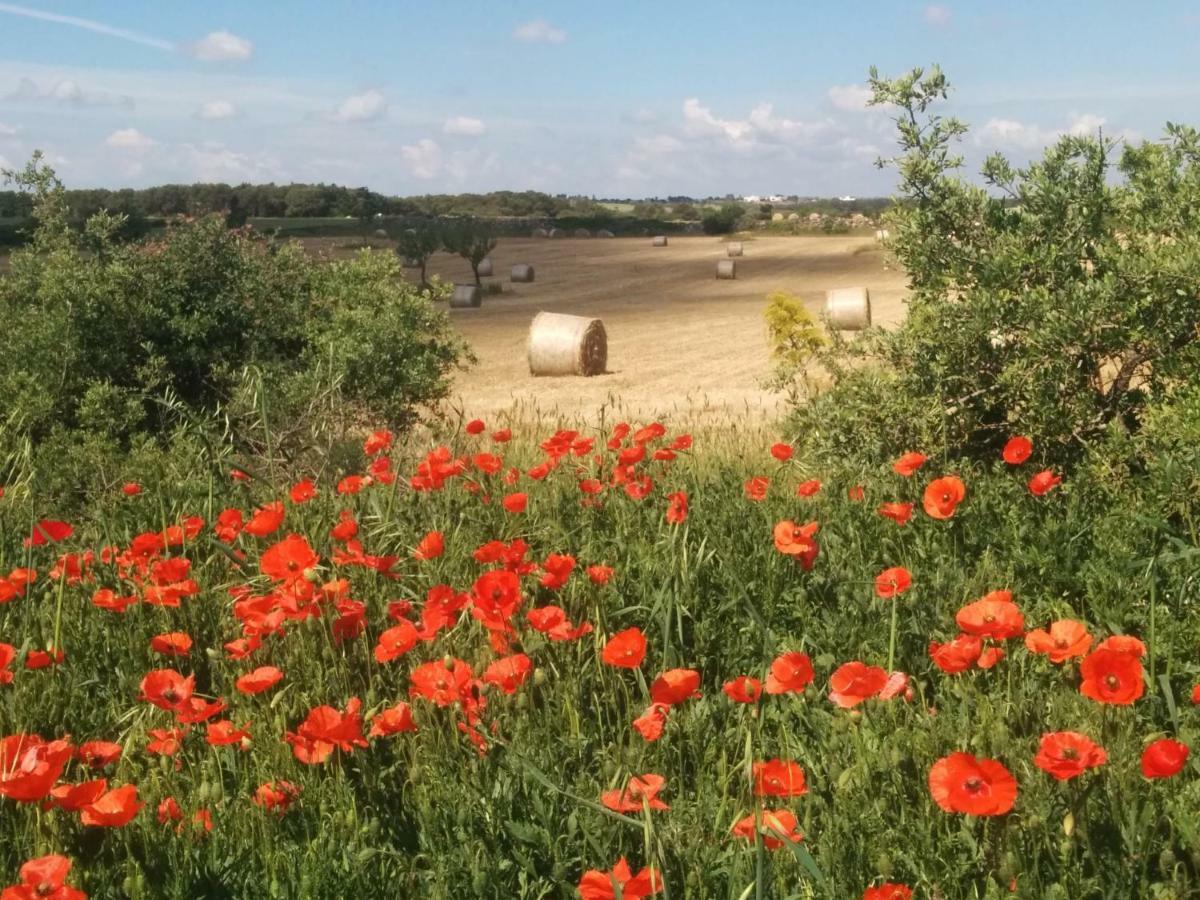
(1058, 302)
(723, 219)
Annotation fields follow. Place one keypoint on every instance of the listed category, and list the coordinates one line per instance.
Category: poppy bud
(448, 661)
(1009, 866)
(883, 865)
(212, 653)
(202, 793)
(1166, 863)
(855, 715)
(311, 575)
(1068, 823)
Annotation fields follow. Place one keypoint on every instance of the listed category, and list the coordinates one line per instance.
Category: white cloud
(699, 120)
(936, 15)
(539, 31)
(67, 91)
(128, 139)
(361, 107)
(760, 127)
(8, 131)
(216, 109)
(850, 97)
(423, 159)
(464, 125)
(1026, 136)
(220, 46)
(215, 162)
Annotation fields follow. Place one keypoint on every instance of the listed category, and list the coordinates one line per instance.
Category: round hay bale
(848, 309)
(521, 272)
(793, 217)
(776, 217)
(466, 296)
(660, 240)
(567, 345)
(604, 233)
(538, 233)
(726, 268)
(734, 248)
(554, 233)
(485, 267)
(381, 234)
(582, 233)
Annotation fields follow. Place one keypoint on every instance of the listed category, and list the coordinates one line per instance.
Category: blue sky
(610, 99)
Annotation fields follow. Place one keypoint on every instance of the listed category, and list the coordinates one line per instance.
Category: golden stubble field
(680, 342)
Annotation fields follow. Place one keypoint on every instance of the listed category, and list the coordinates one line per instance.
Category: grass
(432, 814)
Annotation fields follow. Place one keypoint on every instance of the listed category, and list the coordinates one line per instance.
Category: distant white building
(847, 199)
(752, 198)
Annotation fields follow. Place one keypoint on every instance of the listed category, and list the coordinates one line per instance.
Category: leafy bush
(722, 220)
(1058, 301)
(114, 340)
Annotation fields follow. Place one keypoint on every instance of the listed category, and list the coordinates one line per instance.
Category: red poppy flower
(599, 574)
(303, 491)
(167, 689)
(29, 766)
(962, 783)
(782, 452)
(743, 689)
(288, 560)
(1164, 758)
(597, 885)
(777, 825)
(509, 672)
(261, 679)
(553, 622)
(44, 878)
(889, 890)
(650, 724)
(1017, 450)
(892, 582)
(393, 720)
(475, 426)
(776, 778)
(352, 484)
(50, 530)
(131, 489)
(790, 673)
(798, 541)
(1112, 676)
(515, 503)
(1123, 643)
(165, 741)
(377, 442)
(994, 616)
(113, 809)
(908, 463)
(899, 513)
(441, 683)
(168, 811)
(346, 528)
(856, 493)
(1068, 754)
(1064, 639)
(640, 789)
(229, 525)
(396, 641)
(173, 643)
(276, 796)
(7, 654)
(556, 570)
(1043, 482)
(756, 488)
(98, 754)
(957, 655)
(41, 659)
(674, 686)
(266, 520)
(943, 495)
(502, 436)
(239, 475)
(854, 682)
(1196, 695)
(808, 488)
(325, 729)
(677, 507)
(626, 649)
(431, 546)
(224, 733)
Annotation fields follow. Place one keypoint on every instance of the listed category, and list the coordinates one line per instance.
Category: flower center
(973, 785)
(1112, 682)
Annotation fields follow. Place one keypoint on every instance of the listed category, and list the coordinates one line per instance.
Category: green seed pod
(479, 882)
(883, 865)
(202, 793)
(539, 676)
(896, 755)
(1010, 866)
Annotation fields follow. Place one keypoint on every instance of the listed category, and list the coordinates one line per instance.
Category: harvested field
(680, 341)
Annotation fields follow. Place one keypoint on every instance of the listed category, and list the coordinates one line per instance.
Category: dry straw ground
(680, 341)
